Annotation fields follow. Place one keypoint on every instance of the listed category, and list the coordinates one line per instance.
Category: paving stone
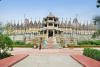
(60, 60)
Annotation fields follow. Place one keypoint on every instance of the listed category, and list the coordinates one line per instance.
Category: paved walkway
(47, 57)
(48, 60)
(32, 51)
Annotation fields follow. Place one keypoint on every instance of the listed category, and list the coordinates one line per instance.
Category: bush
(19, 42)
(96, 42)
(62, 45)
(36, 45)
(4, 55)
(5, 42)
(28, 45)
(83, 45)
(92, 53)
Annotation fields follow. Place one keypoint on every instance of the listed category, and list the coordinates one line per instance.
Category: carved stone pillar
(53, 33)
(47, 32)
(43, 32)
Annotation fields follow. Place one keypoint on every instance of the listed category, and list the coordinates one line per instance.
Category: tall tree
(8, 31)
(97, 23)
(1, 27)
(5, 42)
(98, 1)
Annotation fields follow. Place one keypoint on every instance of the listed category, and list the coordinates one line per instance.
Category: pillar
(53, 33)
(47, 25)
(47, 32)
(43, 32)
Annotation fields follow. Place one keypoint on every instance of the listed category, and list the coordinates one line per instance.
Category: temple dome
(50, 15)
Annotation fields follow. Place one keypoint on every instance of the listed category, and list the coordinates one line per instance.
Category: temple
(61, 32)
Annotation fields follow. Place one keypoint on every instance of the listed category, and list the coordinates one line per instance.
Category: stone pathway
(48, 60)
(47, 57)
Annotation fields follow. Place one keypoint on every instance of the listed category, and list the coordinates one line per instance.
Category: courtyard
(47, 57)
(64, 33)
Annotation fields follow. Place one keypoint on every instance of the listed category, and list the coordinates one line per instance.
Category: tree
(1, 27)
(8, 31)
(97, 23)
(98, 1)
(5, 42)
(96, 19)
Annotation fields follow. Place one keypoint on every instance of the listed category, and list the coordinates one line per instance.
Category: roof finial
(62, 18)
(39, 18)
(50, 13)
(24, 15)
(66, 21)
(76, 15)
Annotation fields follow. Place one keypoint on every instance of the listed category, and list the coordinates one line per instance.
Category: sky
(17, 10)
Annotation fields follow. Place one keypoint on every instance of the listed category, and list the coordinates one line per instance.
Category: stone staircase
(55, 44)
(52, 44)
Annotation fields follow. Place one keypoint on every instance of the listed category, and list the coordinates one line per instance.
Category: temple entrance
(50, 33)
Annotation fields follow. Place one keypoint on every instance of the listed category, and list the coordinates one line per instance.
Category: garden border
(9, 61)
(86, 61)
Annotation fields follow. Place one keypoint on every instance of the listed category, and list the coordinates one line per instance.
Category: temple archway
(50, 33)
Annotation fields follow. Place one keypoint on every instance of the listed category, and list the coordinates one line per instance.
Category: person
(40, 47)
(44, 43)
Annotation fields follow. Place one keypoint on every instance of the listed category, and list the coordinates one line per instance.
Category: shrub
(5, 42)
(62, 45)
(36, 45)
(19, 42)
(4, 55)
(96, 42)
(83, 45)
(28, 45)
(92, 53)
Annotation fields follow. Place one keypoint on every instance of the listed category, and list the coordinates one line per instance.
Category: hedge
(96, 42)
(62, 45)
(31, 46)
(92, 53)
(83, 45)
(19, 42)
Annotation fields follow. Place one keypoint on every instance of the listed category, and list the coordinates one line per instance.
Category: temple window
(55, 32)
(45, 32)
(45, 25)
(54, 19)
(50, 24)
(55, 25)
(41, 32)
(50, 18)
(45, 19)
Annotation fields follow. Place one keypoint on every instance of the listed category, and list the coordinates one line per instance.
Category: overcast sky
(35, 9)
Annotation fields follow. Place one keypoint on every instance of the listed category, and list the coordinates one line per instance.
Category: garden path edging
(9, 61)
(86, 61)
